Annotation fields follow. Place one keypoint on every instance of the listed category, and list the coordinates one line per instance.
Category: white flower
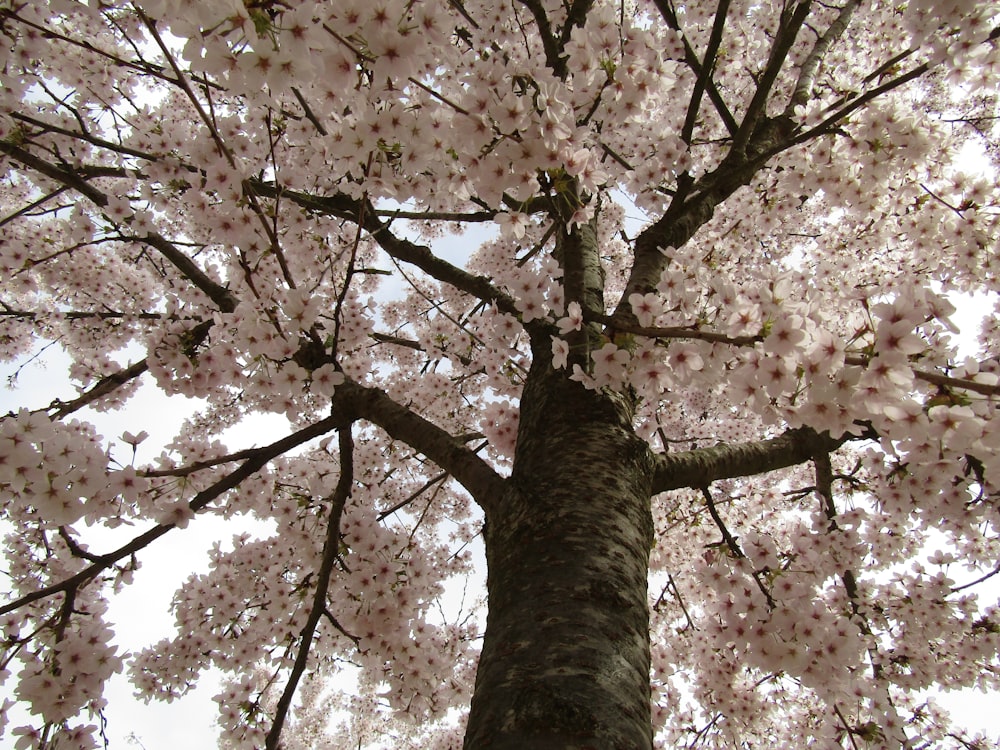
(325, 380)
(609, 364)
(134, 440)
(646, 307)
(573, 320)
(512, 224)
(560, 351)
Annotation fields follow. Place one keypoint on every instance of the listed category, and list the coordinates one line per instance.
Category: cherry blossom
(644, 312)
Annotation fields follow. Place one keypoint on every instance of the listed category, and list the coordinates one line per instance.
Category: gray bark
(565, 661)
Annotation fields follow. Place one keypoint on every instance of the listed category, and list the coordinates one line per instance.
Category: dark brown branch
(688, 212)
(216, 292)
(331, 547)
(935, 378)
(33, 205)
(310, 115)
(733, 545)
(830, 122)
(421, 256)
(105, 386)
(700, 467)
(707, 66)
(109, 383)
(181, 81)
(83, 315)
(553, 52)
(141, 66)
(384, 338)
(727, 536)
(672, 332)
(680, 601)
(83, 136)
(976, 582)
(66, 177)
(340, 628)
(692, 61)
(576, 17)
(824, 488)
(456, 216)
(222, 297)
(358, 402)
(407, 500)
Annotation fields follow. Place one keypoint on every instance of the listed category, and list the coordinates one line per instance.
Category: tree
(690, 372)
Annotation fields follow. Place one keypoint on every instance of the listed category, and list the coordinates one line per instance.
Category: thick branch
(681, 220)
(583, 279)
(699, 468)
(807, 73)
(448, 452)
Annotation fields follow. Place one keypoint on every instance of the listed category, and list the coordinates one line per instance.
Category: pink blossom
(560, 351)
(573, 320)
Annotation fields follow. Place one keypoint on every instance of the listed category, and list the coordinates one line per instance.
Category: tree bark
(565, 660)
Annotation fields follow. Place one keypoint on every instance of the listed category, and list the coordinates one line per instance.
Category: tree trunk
(565, 661)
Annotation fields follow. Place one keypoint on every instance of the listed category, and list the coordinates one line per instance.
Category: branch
(672, 332)
(141, 66)
(84, 136)
(421, 256)
(216, 292)
(935, 378)
(407, 500)
(258, 458)
(222, 297)
(784, 38)
(84, 315)
(670, 16)
(688, 213)
(714, 42)
(700, 467)
(33, 205)
(807, 73)
(456, 216)
(733, 545)
(103, 387)
(552, 49)
(827, 124)
(331, 548)
(359, 402)
(112, 382)
(183, 84)
(727, 536)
